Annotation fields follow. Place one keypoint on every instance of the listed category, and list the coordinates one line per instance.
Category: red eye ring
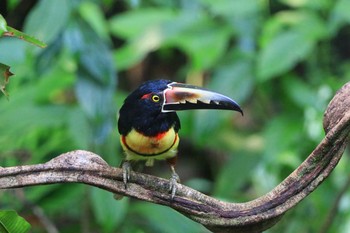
(146, 96)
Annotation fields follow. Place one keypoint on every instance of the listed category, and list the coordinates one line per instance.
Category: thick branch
(254, 216)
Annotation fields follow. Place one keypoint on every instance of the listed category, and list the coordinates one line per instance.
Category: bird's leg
(174, 177)
(126, 172)
(125, 165)
(173, 182)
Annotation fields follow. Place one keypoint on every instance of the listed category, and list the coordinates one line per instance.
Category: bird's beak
(179, 96)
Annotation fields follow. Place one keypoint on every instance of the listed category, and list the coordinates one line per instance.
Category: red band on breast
(160, 135)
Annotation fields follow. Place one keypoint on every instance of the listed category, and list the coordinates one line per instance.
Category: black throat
(146, 123)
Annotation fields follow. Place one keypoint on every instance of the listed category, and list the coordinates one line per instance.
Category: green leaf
(127, 56)
(24, 103)
(204, 44)
(288, 39)
(93, 15)
(134, 23)
(235, 79)
(339, 15)
(163, 219)
(287, 126)
(13, 52)
(61, 196)
(282, 53)
(48, 19)
(11, 222)
(108, 211)
(300, 92)
(234, 175)
(145, 30)
(238, 8)
(314, 4)
(3, 25)
(96, 77)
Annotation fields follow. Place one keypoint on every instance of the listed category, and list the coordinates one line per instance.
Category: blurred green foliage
(282, 60)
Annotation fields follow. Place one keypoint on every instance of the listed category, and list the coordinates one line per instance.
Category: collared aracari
(148, 123)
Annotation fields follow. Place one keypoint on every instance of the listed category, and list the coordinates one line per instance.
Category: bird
(148, 124)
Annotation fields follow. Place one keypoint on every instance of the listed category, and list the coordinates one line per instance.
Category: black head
(142, 110)
(150, 109)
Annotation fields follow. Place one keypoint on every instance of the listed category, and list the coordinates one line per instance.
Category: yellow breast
(140, 147)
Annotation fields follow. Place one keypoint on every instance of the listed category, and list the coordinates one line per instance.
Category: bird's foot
(126, 172)
(174, 180)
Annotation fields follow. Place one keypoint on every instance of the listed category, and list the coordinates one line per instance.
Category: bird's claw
(173, 184)
(126, 172)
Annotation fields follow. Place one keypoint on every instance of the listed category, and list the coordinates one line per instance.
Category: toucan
(149, 126)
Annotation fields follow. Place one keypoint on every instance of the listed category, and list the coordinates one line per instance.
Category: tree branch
(254, 216)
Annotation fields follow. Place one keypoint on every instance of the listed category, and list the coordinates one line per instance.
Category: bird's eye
(155, 98)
